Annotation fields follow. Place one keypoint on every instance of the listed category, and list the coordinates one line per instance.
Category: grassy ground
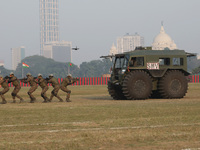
(94, 121)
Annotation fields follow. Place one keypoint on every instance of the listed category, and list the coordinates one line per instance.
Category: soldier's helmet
(1, 76)
(28, 74)
(51, 75)
(11, 73)
(39, 75)
(69, 75)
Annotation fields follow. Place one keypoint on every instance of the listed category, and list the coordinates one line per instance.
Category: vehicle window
(125, 63)
(177, 61)
(164, 61)
(137, 61)
(119, 62)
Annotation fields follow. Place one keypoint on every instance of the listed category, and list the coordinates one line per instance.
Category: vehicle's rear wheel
(173, 85)
(115, 91)
(137, 85)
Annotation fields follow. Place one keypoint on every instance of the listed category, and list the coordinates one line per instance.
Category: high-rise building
(17, 55)
(129, 42)
(49, 25)
(59, 51)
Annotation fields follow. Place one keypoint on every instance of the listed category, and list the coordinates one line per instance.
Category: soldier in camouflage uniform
(43, 84)
(56, 87)
(67, 81)
(17, 88)
(5, 87)
(30, 79)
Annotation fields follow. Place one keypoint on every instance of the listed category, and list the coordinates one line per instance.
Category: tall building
(59, 51)
(49, 24)
(17, 55)
(129, 42)
(163, 41)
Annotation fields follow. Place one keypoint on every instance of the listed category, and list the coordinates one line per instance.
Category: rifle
(23, 79)
(75, 80)
(46, 79)
(7, 77)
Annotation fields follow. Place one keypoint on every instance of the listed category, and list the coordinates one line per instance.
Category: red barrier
(103, 81)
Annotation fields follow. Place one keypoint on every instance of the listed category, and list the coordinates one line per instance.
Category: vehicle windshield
(121, 62)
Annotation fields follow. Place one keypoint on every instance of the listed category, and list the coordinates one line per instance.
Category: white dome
(162, 41)
(113, 50)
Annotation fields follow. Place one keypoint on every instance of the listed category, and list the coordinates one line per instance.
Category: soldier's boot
(60, 99)
(45, 100)
(32, 100)
(68, 96)
(51, 97)
(21, 100)
(3, 101)
(18, 97)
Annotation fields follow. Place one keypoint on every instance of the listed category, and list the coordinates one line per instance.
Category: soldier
(17, 88)
(5, 86)
(56, 87)
(43, 84)
(67, 81)
(30, 79)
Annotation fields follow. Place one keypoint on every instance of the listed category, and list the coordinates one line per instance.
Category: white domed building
(163, 41)
(113, 50)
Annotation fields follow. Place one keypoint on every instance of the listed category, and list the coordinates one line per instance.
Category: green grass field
(94, 121)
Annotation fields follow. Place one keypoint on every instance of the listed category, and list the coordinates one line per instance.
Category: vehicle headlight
(123, 71)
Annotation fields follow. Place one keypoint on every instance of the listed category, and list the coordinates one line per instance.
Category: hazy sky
(93, 25)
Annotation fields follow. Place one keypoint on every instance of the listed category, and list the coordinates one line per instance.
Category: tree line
(45, 66)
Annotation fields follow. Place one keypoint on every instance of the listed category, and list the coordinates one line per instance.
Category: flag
(70, 64)
(25, 65)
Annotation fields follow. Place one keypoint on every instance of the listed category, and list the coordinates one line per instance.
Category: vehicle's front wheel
(137, 85)
(115, 91)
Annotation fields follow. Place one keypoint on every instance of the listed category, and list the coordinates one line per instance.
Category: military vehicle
(145, 73)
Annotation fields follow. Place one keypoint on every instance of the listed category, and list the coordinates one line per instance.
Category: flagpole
(22, 70)
(68, 69)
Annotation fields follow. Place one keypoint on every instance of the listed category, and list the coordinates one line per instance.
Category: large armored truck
(143, 74)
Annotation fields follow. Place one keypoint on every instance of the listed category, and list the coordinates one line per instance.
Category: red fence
(194, 78)
(82, 81)
(104, 81)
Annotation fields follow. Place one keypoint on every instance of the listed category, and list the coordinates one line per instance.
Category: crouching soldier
(56, 87)
(5, 87)
(17, 88)
(30, 79)
(68, 81)
(43, 84)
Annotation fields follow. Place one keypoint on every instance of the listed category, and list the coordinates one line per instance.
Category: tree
(45, 66)
(95, 68)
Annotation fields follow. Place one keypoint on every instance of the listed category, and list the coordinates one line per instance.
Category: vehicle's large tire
(137, 85)
(115, 91)
(173, 85)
